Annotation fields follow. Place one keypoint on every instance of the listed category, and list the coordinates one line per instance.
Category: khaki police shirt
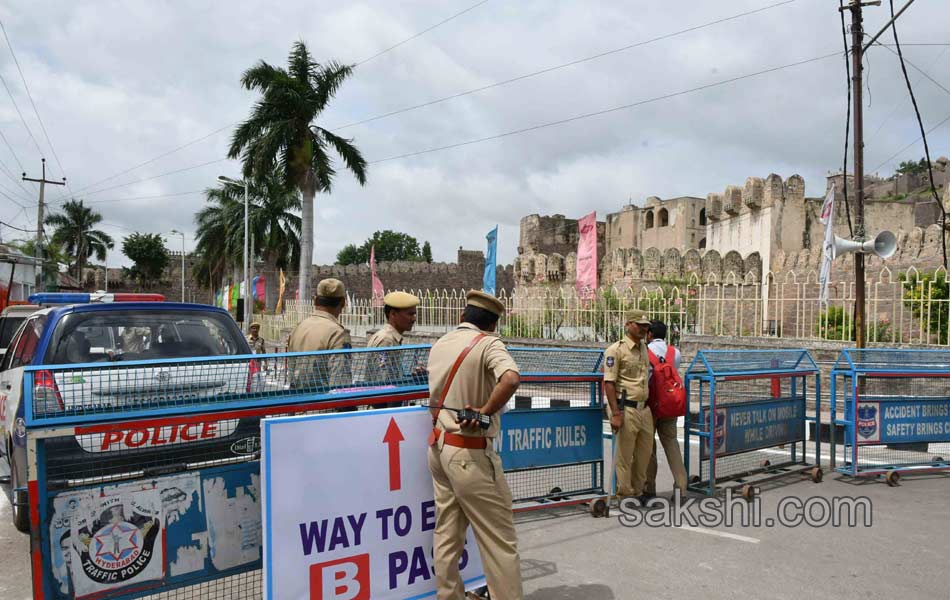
(386, 336)
(626, 364)
(388, 365)
(321, 331)
(476, 377)
(256, 344)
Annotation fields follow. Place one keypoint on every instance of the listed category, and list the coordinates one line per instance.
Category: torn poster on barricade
(115, 541)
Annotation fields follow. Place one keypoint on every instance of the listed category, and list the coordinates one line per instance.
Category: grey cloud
(118, 83)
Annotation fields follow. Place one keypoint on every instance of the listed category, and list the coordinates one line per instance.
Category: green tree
(928, 297)
(281, 135)
(351, 254)
(75, 232)
(53, 257)
(273, 224)
(149, 257)
(390, 246)
(836, 323)
(220, 227)
(427, 252)
(909, 167)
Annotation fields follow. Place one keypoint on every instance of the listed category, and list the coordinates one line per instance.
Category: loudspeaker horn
(883, 245)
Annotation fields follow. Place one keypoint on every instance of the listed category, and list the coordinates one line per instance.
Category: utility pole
(857, 55)
(38, 250)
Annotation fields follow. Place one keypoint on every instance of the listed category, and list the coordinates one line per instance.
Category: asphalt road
(569, 555)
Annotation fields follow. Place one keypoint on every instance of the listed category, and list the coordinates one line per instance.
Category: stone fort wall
(466, 273)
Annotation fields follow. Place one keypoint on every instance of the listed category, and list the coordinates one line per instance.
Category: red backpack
(667, 394)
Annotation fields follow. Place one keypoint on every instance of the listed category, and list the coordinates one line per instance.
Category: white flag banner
(828, 248)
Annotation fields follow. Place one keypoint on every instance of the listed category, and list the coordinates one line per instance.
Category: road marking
(723, 534)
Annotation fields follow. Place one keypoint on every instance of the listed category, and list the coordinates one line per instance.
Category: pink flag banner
(378, 291)
(587, 257)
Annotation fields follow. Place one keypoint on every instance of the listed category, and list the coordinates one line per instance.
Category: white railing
(908, 309)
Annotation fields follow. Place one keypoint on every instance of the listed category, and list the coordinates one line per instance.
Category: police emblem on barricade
(117, 543)
(719, 432)
(867, 422)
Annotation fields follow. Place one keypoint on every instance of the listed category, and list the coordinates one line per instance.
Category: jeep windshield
(124, 335)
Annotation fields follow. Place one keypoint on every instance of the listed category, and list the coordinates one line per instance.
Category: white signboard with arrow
(348, 507)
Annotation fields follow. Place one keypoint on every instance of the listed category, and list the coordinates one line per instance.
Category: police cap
(401, 300)
(331, 288)
(485, 301)
(637, 316)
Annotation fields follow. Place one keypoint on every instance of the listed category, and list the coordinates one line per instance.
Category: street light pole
(247, 283)
(176, 232)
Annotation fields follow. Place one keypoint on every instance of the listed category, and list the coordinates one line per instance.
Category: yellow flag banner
(280, 295)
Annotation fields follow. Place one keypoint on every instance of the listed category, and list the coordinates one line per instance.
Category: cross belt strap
(433, 437)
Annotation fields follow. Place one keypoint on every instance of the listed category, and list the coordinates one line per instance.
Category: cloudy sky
(119, 83)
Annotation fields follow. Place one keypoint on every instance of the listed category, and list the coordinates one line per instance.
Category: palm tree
(280, 134)
(217, 228)
(74, 231)
(273, 224)
(274, 227)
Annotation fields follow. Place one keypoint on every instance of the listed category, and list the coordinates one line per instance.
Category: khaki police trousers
(666, 429)
(634, 443)
(470, 489)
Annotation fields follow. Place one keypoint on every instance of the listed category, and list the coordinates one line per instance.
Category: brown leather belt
(460, 441)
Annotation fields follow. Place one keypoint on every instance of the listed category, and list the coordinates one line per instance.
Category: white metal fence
(910, 308)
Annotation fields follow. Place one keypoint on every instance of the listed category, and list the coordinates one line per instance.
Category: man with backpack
(668, 402)
(626, 371)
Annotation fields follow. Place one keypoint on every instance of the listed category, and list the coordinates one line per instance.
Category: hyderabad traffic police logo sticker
(867, 420)
(115, 547)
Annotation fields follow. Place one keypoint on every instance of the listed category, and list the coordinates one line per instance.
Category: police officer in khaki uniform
(626, 368)
(254, 339)
(400, 310)
(322, 331)
(470, 486)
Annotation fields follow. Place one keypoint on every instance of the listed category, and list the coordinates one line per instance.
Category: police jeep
(124, 343)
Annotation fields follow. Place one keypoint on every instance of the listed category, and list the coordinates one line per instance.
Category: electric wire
(847, 125)
(459, 94)
(602, 112)
(559, 66)
(423, 32)
(897, 104)
(33, 103)
(923, 134)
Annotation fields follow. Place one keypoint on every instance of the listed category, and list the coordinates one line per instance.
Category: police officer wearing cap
(254, 339)
(626, 371)
(470, 368)
(322, 331)
(400, 310)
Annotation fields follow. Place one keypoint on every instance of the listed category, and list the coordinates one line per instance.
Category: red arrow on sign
(393, 437)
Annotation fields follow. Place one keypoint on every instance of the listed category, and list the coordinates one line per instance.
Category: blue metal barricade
(550, 442)
(143, 476)
(896, 411)
(751, 419)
